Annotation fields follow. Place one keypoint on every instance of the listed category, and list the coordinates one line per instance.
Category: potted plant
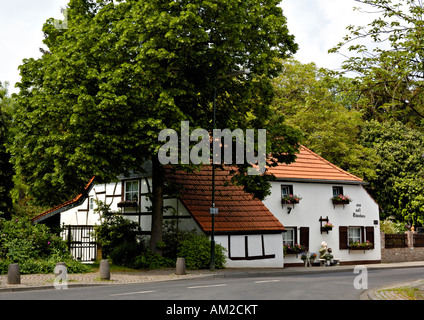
(312, 257)
(341, 199)
(290, 199)
(327, 227)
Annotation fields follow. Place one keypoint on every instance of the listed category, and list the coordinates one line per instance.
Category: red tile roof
(238, 210)
(311, 166)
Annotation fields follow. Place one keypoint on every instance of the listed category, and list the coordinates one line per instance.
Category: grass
(409, 293)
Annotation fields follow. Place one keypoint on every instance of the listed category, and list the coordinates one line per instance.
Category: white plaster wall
(316, 203)
(272, 243)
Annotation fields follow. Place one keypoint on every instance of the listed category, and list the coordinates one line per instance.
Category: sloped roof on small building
(66, 205)
(310, 166)
(239, 211)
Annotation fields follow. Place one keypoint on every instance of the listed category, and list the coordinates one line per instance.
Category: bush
(21, 240)
(114, 231)
(150, 260)
(34, 247)
(196, 250)
(125, 253)
(33, 266)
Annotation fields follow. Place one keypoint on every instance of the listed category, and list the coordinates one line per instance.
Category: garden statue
(325, 253)
(323, 250)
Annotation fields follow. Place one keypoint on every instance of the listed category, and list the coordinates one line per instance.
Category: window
(337, 191)
(91, 203)
(289, 237)
(354, 234)
(131, 190)
(286, 190)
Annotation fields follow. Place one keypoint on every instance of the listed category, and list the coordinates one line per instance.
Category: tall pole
(212, 266)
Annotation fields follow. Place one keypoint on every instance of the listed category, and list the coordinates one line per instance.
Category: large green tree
(120, 71)
(391, 71)
(399, 184)
(318, 102)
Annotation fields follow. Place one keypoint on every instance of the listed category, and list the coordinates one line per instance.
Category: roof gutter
(322, 181)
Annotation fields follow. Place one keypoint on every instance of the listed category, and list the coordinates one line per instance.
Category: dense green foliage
(121, 243)
(121, 71)
(399, 182)
(317, 102)
(115, 230)
(6, 169)
(390, 82)
(34, 247)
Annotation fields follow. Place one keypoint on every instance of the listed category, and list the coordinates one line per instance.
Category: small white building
(252, 231)
(316, 181)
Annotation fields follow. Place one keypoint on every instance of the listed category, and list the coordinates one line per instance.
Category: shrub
(34, 247)
(115, 230)
(197, 252)
(151, 260)
(125, 253)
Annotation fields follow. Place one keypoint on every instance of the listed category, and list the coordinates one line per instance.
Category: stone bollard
(104, 270)
(60, 266)
(13, 274)
(61, 276)
(180, 267)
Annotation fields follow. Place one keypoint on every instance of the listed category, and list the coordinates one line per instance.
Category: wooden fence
(402, 247)
(396, 241)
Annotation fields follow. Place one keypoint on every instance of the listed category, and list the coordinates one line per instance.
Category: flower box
(290, 199)
(295, 249)
(127, 204)
(361, 245)
(341, 199)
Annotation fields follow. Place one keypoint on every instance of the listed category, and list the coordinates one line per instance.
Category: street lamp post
(213, 209)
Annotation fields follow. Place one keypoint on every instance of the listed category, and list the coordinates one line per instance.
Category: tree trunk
(157, 205)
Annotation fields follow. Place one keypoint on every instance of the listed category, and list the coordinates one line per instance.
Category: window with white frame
(131, 190)
(354, 234)
(286, 190)
(289, 237)
(337, 191)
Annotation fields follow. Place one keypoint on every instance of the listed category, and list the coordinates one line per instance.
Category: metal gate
(81, 242)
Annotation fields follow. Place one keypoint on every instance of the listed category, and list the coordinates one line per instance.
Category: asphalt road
(323, 286)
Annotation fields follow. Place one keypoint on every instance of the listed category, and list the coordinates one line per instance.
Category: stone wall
(409, 253)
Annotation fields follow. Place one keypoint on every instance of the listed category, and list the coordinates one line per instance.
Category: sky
(317, 25)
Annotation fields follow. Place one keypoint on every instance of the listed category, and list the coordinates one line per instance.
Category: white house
(248, 231)
(252, 231)
(316, 181)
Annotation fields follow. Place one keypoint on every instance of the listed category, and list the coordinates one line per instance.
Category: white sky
(318, 25)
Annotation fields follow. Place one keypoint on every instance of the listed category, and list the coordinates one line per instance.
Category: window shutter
(304, 237)
(343, 238)
(369, 234)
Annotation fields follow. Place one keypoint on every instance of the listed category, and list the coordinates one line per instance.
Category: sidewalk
(46, 281)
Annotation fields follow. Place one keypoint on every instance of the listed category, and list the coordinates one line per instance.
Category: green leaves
(95, 102)
(399, 184)
(391, 74)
